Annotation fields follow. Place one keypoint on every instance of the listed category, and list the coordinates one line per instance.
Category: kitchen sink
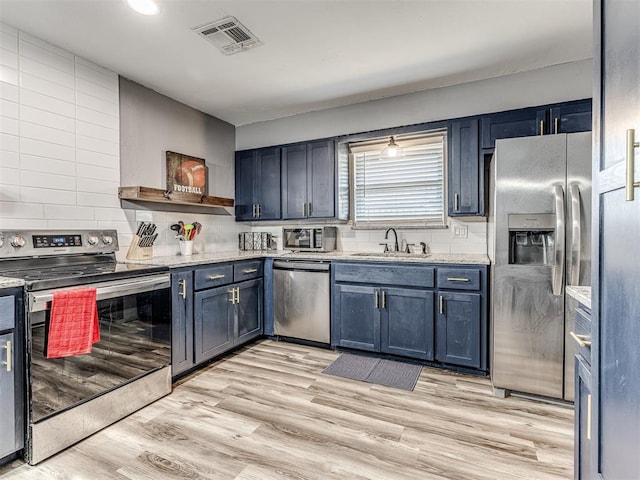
(391, 254)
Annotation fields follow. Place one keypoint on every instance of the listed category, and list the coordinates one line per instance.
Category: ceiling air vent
(229, 35)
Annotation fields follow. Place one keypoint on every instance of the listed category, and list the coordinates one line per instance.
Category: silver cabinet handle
(304, 209)
(630, 184)
(259, 208)
(309, 209)
(253, 213)
(441, 305)
(9, 361)
(375, 299)
(249, 270)
(576, 232)
(558, 268)
(541, 127)
(233, 295)
(457, 279)
(216, 277)
(581, 339)
(456, 202)
(555, 125)
(183, 289)
(384, 299)
(237, 289)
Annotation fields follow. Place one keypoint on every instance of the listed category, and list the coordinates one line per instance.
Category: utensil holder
(186, 248)
(136, 252)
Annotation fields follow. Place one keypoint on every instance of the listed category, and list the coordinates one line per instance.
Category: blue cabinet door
(245, 174)
(356, 319)
(7, 396)
(321, 179)
(582, 466)
(466, 179)
(406, 325)
(267, 184)
(458, 329)
(294, 181)
(516, 123)
(182, 358)
(214, 322)
(571, 118)
(248, 314)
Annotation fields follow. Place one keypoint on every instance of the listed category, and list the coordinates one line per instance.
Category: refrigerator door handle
(558, 268)
(576, 233)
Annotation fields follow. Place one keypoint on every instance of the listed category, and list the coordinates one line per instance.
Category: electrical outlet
(460, 231)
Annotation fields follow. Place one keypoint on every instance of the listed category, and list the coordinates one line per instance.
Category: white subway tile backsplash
(94, 103)
(47, 165)
(96, 131)
(72, 224)
(9, 75)
(9, 109)
(107, 75)
(47, 180)
(8, 58)
(98, 173)
(115, 215)
(47, 134)
(9, 159)
(98, 91)
(21, 210)
(473, 248)
(40, 70)
(44, 102)
(97, 118)
(63, 212)
(98, 159)
(9, 193)
(47, 195)
(10, 143)
(52, 89)
(9, 125)
(35, 53)
(46, 119)
(97, 145)
(48, 150)
(97, 186)
(9, 91)
(22, 223)
(25, 37)
(99, 199)
(9, 176)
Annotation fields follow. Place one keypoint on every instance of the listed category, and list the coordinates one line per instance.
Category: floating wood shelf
(158, 195)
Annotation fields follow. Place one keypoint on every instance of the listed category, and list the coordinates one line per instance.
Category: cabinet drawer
(213, 276)
(7, 313)
(582, 330)
(459, 278)
(247, 270)
(386, 274)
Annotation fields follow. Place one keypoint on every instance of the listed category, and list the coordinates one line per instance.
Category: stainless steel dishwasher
(301, 300)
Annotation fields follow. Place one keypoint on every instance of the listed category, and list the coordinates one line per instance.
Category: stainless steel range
(71, 398)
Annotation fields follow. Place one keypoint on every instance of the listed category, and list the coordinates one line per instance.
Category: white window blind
(409, 190)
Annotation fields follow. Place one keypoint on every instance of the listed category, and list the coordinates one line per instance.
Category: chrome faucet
(395, 234)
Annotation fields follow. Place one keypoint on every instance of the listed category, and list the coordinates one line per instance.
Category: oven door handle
(40, 301)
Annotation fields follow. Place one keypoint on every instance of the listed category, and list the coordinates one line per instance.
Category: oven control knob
(92, 240)
(107, 239)
(18, 241)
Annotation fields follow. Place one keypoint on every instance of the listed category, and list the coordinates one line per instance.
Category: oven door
(135, 340)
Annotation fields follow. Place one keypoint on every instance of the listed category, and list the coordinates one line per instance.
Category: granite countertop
(6, 282)
(175, 261)
(581, 294)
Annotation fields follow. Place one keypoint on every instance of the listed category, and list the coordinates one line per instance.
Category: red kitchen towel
(73, 324)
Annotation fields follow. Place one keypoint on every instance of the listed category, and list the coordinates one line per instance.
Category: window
(406, 191)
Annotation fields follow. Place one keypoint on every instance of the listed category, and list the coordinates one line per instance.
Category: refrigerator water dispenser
(531, 239)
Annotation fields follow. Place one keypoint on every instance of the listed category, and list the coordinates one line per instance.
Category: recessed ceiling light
(145, 7)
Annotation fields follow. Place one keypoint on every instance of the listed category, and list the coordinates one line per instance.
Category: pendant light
(392, 150)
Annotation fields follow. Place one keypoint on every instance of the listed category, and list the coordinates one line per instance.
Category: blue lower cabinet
(248, 314)
(406, 326)
(214, 322)
(182, 358)
(582, 466)
(356, 320)
(459, 329)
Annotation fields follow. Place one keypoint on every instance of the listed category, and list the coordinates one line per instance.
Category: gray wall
(570, 81)
(151, 124)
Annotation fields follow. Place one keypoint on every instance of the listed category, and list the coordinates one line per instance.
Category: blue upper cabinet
(258, 184)
(571, 118)
(308, 180)
(516, 123)
(465, 176)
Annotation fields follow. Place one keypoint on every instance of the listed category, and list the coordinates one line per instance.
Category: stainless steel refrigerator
(539, 242)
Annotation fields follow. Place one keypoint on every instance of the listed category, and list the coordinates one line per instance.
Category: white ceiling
(317, 54)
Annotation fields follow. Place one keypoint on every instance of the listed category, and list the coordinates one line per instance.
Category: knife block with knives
(141, 247)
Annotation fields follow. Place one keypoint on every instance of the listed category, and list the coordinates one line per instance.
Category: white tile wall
(60, 139)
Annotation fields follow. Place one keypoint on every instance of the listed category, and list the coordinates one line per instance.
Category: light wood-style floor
(266, 412)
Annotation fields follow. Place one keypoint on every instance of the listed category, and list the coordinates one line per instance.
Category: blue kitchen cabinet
(583, 427)
(458, 328)
(571, 117)
(465, 172)
(308, 180)
(213, 318)
(258, 179)
(248, 311)
(12, 374)
(182, 358)
(526, 122)
(385, 308)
